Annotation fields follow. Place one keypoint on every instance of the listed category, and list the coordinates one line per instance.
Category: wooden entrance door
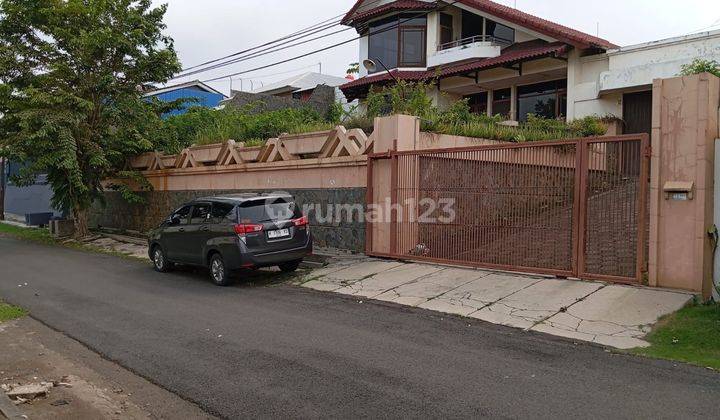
(637, 112)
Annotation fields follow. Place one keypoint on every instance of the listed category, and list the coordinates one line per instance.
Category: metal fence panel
(570, 208)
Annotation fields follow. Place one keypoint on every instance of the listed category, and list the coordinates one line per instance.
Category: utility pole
(2, 188)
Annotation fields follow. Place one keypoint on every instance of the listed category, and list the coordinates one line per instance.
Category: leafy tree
(70, 72)
(701, 66)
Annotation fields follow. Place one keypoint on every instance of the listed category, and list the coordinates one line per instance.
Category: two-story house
(508, 62)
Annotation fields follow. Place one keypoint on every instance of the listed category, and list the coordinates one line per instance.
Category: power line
(395, 26)
(265, 76)
(292, 35)
(281, 62)
(310, 30)
(714, 24)
(260, 53)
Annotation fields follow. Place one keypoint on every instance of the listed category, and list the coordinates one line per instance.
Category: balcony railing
(472, 40)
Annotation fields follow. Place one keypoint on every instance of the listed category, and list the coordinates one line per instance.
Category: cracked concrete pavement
(607, 314)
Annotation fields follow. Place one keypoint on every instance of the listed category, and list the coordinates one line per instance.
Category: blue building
(203, 95)
(24, 200)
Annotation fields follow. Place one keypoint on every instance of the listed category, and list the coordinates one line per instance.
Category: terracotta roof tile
(356, 18)
(510, 55)
(384, 76)
(554, 30)
(546, 27)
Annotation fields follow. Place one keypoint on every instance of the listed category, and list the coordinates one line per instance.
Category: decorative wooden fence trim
(338, 142)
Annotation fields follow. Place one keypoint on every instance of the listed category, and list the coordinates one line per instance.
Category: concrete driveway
(608, 314)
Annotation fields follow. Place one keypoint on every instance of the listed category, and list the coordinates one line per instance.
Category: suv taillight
(243, 229)
(303, 221)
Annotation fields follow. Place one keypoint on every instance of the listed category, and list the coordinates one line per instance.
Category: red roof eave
(352, 19)
(554, 30)
(384, 77)
(561, 33)
(511, 55)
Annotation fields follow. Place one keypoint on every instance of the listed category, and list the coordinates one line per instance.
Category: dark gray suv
(231, 232)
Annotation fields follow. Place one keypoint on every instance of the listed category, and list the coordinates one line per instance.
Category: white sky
(208, 29)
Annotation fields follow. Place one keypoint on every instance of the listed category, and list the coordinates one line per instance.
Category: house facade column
(490, 95)
(513, 103)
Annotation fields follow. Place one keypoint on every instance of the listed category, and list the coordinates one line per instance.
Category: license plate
(273, 234)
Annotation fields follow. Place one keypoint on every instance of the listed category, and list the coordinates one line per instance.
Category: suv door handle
(181, 230)
(205, 228)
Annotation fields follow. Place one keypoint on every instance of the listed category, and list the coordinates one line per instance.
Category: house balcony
(480, 46)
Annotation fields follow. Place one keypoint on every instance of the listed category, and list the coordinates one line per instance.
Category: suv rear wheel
(218, 272)
(160, 262)
(290, 266)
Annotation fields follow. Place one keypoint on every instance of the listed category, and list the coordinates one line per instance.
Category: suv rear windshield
(267, 210)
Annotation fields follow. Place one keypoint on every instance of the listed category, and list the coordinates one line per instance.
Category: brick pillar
(404, 129)
(684, 128)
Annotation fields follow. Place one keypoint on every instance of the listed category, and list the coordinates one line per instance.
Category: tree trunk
(80, 217)
(2, 188)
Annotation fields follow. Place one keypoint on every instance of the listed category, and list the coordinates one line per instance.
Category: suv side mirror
(174, 219)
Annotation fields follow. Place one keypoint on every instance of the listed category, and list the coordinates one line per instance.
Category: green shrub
(700, 66)
(588, 126)
(207, 126)
(335, 113)
(361, 121)
(458, 112)
(457, 119)
(400, 98)
(545, 124)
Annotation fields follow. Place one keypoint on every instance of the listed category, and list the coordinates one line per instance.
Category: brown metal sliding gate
(570, 208)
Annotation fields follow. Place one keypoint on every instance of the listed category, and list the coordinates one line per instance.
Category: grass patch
(690, 335)
(43, 236)
(31, 234)
(8, 312)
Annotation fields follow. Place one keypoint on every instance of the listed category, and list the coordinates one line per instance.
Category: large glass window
(472, 24)
(548, 100)
(499, 31)
(478, 103)
(412, 50)
(399, 41)
(383, 42)
(501, 102)
(446, 28)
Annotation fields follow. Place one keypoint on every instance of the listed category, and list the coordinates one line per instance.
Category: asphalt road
(267, 350)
